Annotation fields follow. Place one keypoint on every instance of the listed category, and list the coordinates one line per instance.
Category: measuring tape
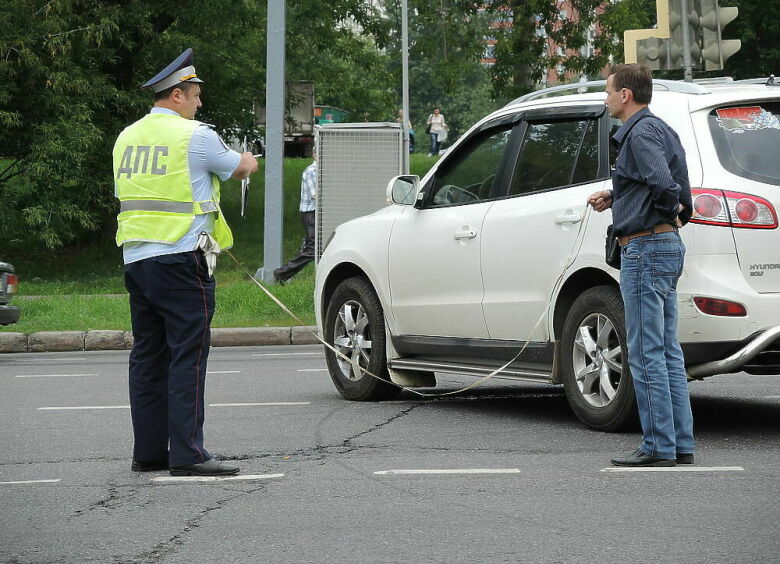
(568, 263)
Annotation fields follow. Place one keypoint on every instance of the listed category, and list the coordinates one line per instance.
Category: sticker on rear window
(746, 118)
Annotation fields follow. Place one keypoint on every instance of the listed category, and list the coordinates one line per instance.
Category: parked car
(8, 284)
(495, 250)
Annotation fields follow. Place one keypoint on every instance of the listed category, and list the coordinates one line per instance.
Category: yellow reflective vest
(153, 184)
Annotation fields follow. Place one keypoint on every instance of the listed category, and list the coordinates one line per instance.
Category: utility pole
(274, 143)
(686, 37)
(405, 82)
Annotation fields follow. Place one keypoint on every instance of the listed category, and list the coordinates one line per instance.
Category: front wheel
(355, 326)
(595, 371)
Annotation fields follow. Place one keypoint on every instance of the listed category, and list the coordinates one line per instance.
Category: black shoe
(686, 458)
(639, 458)
(209, 468)
(148, 465)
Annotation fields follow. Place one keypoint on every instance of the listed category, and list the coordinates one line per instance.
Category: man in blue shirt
(171, 287)
(307, 207)
(650, 200)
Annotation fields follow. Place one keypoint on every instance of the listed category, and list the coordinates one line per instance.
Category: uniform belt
(660, 228)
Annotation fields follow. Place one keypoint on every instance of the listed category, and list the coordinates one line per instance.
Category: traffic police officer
(167, 169)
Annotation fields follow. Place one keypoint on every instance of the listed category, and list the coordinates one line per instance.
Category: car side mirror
(403, 189)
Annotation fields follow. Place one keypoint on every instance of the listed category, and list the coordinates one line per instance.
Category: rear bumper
(759, 355)
(8, 314)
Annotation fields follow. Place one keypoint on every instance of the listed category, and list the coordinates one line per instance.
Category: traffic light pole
(686, 37)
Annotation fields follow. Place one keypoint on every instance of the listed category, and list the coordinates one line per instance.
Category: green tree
(758, 27)
(523, 55)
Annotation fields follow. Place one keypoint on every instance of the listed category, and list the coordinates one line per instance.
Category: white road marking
(76, 407)
(312, 370)
(32, 482)
(451, 471)
(52, 375)
(84, 407)
(216, 478)
(773, 397)
(287, 354)
(675, 469)
(223, 372)
(256, 404)
(60, 359)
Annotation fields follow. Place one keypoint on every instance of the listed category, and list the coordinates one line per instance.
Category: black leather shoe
(639, 458)
(209, 468)
(148, 465)
(686, 458)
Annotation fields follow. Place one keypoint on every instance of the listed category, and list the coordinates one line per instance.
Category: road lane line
(676, 469)
(57, 408)
(256, 404)
(32, 482)
(168, 479)
(223, 372)
(81, 407)
(773, 397)
(450, 471)
(52, 375)
(23, 360)
(288, 354)
(312, 370)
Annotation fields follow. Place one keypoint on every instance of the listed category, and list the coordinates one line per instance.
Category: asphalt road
(321, 478)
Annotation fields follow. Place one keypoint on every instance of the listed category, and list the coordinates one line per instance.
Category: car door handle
(466, 234)
(572, 218)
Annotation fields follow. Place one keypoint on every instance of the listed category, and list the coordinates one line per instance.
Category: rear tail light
(732, 209)
(721, 308)
(11, 283)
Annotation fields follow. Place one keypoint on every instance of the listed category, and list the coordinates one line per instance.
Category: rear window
(746, 138)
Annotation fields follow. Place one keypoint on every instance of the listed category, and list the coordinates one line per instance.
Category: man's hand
(600, 200)
(246, 166)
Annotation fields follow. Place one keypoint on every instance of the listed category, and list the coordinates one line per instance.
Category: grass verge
(81, 288)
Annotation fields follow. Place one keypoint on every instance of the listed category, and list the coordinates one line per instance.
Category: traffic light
(712, 20)
(664, 48)
(679, 25)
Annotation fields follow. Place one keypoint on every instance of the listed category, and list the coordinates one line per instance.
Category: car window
(742, 135)
(614, 125)
(587, 167)
(549, 155)
(470, 178)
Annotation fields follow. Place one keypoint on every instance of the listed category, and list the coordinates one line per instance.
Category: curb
(102, 340)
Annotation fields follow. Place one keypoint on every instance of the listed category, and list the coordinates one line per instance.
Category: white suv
(495, 250)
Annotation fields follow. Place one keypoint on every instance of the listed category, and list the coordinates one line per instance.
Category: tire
(594, 365)
(355, 326)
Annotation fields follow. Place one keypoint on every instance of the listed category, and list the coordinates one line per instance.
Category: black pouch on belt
(612, 249)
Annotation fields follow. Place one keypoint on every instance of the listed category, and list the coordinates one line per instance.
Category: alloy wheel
(597, 359)
(352, 338)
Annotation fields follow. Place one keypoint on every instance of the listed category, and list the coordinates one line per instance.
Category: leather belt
(660, 228)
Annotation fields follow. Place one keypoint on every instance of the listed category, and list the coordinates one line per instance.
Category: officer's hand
(246, 166)
(600, 200)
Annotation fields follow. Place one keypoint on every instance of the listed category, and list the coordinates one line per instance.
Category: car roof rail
(768, 81)
(599, 85)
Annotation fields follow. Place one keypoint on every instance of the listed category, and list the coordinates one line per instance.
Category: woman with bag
(436, 125)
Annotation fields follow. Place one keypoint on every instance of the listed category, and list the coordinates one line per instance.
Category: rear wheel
(355, 326)
(595, 371)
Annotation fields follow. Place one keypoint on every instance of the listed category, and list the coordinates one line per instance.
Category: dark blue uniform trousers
(171, 306)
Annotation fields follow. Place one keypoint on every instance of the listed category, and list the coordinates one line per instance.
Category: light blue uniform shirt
(207, 155)
(309, 188)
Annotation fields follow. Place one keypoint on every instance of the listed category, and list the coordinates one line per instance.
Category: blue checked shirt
(650, 179)
(309, 188)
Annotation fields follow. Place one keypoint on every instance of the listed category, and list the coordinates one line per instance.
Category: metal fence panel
(355, 161)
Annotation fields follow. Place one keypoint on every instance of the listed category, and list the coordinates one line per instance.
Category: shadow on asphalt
(736, 417)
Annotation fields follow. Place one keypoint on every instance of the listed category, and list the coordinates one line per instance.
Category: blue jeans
(434, 143)
(650, 268)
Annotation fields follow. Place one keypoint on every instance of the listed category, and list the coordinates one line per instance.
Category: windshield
(746, 138)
